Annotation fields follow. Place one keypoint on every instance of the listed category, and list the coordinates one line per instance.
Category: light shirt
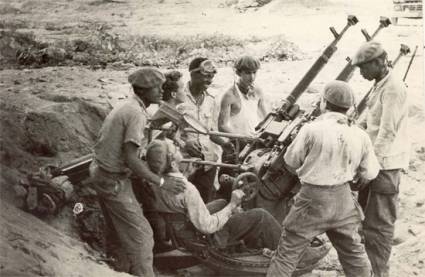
(386, 122)
(191, 204)
(329, 152)
(207, 113)
(125, 123)
(248, 117)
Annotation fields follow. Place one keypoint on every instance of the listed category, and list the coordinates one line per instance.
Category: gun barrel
(319, 64)
(348, 70)
(194, 161)
(410, 63)
(223, 134)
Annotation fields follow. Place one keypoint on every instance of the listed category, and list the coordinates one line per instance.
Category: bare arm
(223, 121)
(139, 167)
(261, 105)
(224, 115)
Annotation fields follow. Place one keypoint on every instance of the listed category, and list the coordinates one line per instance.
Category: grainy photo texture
(212, 138)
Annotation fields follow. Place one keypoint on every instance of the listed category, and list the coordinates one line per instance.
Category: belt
(325, 187)
(114, 175)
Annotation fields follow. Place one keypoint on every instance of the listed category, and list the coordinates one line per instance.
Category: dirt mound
(62, 127)
(57, 128)
(42, 250)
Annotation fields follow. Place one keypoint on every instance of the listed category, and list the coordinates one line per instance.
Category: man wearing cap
(386, 124)
(201, 105)
(128, 233)
(327, 154)
(242, 106)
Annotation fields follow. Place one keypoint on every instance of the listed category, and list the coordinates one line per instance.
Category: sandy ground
(62, 107)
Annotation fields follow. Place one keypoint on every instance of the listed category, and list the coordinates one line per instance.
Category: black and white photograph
(192, 138)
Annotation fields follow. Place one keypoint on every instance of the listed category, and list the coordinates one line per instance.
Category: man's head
(202, 72)
(173, 87)
(337, 97)
(163, 157)
(246, 68)
(371, 58)
(147, 84)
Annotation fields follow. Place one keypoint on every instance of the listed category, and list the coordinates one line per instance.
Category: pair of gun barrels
(287, 111)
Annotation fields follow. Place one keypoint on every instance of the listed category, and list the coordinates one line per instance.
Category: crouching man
(256, 228)
(326, 155)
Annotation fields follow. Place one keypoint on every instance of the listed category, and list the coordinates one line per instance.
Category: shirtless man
(242, 106)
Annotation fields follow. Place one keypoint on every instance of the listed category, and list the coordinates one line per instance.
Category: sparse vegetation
(102, 47)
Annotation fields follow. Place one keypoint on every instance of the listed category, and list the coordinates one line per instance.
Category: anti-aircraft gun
(276, 131)
(279, 128)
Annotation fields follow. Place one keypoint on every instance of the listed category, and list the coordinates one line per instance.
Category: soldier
(201, 105)
(386, 124)
(327, 154)
(242, 106)
(116, 155)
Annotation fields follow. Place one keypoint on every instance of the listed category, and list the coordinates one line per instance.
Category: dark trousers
(317, 210)
(128, 233)
(203, 180)
(380, 217)
(256, 228)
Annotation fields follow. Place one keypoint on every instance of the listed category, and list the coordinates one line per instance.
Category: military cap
(146, 77)
(339, 93)
(247, 63)
(367, 52)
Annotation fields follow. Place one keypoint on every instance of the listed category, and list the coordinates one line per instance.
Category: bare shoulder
(229, 97)
(258, 91)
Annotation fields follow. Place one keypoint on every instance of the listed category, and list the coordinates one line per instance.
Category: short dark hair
(335, 108)
(170, 85)
(196, 62)
(247, 64)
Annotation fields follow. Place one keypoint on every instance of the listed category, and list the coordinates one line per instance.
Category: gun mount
(271, 128)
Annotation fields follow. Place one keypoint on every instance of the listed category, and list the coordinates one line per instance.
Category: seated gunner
(256, 227)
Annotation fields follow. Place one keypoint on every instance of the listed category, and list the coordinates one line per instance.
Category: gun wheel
(248, 182)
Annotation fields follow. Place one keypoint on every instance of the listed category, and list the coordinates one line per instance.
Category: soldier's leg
(299, 228)
(288, 253)
(133, 230)
(113, 246)
(351, 252)
(380, 217)
(363, 196)
(256, 227)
